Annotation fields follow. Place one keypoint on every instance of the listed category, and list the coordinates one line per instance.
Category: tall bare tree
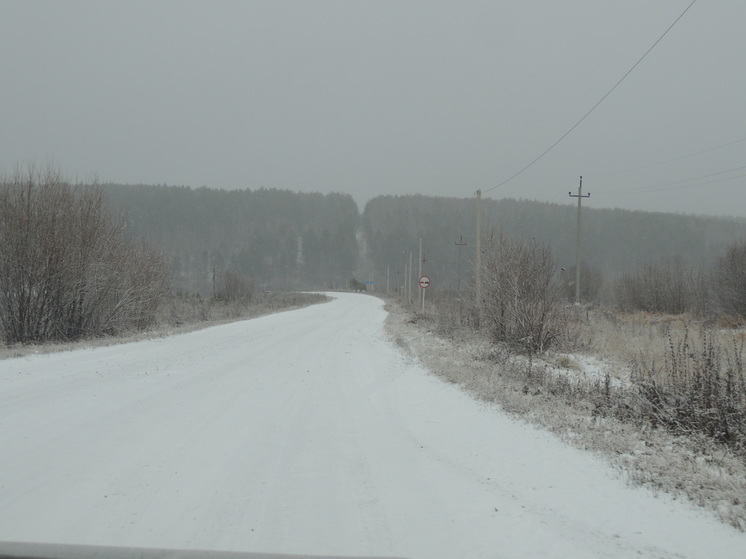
(67, 269)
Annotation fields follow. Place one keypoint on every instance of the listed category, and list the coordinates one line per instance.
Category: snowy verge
(691, 468)
(214, 313)
(307, 433)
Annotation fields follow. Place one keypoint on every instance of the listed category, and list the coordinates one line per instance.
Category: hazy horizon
(385, 98)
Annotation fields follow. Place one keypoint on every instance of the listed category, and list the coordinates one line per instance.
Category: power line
(667, 186)
(574, 126)
(687, 156)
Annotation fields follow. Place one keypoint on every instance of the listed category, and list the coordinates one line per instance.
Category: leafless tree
(666, 286)
(524, 303)
(233, 286)
(729, 279)
(67, 269)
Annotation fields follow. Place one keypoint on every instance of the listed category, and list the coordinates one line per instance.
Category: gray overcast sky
(385, 97)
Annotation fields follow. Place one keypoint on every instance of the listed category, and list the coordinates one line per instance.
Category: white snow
(306, 432)
(587, 368)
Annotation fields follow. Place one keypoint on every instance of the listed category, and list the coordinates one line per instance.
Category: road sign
(424, 282)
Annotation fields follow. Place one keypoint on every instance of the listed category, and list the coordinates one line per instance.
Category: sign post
(424, 284)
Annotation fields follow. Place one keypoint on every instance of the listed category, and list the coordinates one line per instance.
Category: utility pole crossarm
(580, 197)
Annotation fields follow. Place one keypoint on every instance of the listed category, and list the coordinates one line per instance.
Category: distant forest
(287, 240)
(280, 239)
(613, 241)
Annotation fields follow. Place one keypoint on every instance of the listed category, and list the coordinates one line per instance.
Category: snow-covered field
(306, 432)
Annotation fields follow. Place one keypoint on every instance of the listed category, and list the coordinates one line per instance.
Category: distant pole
(388, 271)
(419, 271)
(400, 283)
(460, 243)
(478, 264)
(580, 197)
(423, 295)
(419, 275)
(409, 282)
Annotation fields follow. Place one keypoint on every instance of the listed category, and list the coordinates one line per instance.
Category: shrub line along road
(305, 432)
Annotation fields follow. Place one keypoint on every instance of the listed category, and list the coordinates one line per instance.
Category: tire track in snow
(305, 432)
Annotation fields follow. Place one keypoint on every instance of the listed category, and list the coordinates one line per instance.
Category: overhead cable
(657, 163)
(574, 126)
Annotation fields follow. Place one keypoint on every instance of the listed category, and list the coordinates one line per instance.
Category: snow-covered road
(305, 432)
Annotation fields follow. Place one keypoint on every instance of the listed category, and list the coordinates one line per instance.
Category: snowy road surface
(305, 432)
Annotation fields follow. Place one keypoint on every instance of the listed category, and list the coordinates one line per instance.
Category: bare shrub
(523, 297)
(233, 286)
(662, 287)
(67, 270)
(729, 280)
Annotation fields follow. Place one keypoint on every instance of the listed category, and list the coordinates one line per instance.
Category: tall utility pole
(478, 259)
(419, 271)
(580, 197)
(460, 243)
(409, 280)
(422, 291)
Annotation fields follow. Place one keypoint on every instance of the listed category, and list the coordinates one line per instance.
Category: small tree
(729, 279)
(666, 287)
(524, 304)
(67, 270)
(233, 286)
(357, 285)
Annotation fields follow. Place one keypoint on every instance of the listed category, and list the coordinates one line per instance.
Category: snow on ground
(587, 368)
(306, 432)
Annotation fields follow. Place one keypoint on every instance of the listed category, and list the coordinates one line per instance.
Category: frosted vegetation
(662, 397)
(71, 270)
(649, 371)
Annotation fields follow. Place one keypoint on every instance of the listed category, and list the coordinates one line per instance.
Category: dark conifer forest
(289, 240)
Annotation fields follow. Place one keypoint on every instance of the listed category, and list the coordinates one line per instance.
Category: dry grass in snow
(588, 398)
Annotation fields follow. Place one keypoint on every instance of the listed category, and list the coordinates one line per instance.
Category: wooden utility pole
(422, 291)
(409, 282)
(419, 270)
(460, 243)
(579, 196)
(478, 259)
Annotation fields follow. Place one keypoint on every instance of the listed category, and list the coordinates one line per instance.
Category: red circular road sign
(424, 282)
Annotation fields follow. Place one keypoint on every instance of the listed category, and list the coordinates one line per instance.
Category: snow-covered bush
(524, 304)
(67, 268)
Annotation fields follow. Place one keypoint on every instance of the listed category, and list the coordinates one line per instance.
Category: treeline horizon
(291, 240)
(614, 241)
(279, 239)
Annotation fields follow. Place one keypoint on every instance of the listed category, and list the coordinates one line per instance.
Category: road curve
(305, 432)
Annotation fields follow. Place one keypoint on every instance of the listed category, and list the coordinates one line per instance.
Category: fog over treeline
(279, 239)
(288, 240)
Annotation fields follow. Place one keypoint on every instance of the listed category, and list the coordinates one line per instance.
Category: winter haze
(386, 97)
